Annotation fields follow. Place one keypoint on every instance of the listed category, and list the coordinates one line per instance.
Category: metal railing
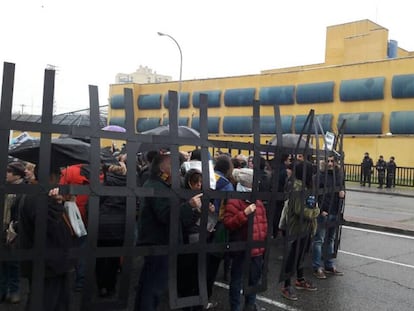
(404, 176)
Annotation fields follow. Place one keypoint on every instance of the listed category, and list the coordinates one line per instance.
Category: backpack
(60, 237)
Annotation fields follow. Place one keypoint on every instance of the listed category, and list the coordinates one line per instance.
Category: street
(379, 275)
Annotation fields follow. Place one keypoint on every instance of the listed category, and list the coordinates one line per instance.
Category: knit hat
(244, 176)
(17, 168)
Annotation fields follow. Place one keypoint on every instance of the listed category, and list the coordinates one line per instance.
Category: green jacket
(300, 218)
(154, 218)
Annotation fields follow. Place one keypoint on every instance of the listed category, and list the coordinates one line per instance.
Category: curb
(352, 222)
(399, 194)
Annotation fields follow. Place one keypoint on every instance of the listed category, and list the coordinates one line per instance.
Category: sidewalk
(373, 211)
(400, 191)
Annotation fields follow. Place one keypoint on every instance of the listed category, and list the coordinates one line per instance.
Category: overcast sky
(90, 41)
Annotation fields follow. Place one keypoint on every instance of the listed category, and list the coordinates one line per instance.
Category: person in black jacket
(10, 270)
(112, 218)
(285, 162)
(366, 170)
(391, 170)
(380, 167)
(331, 183)
(187, 267)
(154, 229)
(59, 235)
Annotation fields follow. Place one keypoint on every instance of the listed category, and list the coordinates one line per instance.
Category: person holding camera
(301, 215)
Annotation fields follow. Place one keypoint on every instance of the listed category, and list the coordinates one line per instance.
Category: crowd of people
(306, 213)
(386, 171)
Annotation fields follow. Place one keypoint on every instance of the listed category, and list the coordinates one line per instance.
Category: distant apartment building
(142, 75)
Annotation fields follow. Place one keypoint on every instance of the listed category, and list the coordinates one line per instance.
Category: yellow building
(366, 80)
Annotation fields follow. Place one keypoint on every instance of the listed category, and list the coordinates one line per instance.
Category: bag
(75, 219)
(11, 234)
(12, 229)
(283, 216)
(221, 233)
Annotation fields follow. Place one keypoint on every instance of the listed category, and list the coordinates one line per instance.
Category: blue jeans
(153, 282)
(236, 281)
(9, 277)
(324, 234)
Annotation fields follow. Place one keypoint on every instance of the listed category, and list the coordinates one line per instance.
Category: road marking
(263, 299)
(289, 308)
(375, 258)
(378, 259)
(380, 232)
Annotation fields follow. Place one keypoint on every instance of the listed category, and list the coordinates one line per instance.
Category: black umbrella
(64, 151)
(164, 130)
(290, 141)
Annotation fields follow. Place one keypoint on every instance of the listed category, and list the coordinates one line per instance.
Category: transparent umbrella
(290, 141)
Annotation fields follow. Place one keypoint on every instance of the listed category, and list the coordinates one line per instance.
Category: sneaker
(211, 305)
(289, 293)
(333, 271)
(319, 273)
(306, 285)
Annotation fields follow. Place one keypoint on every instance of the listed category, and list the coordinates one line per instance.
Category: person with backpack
(45, 212)
(302, 212)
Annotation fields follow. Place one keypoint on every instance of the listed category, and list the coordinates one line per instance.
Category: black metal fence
(404, 176)
(90, 252)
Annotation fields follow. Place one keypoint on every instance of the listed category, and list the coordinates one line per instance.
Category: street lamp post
(181, 68)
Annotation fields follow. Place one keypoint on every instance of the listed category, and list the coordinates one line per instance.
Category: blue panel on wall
(181, 121)
(151, 101)
(213, 98)
(238, 125)
(402, 122)
(403, 86)
(144, 124)
(213, 124)
(325, 121)
(184, 99)
(117, 102)
(362, 89)
(315, 93)
(361, 123)
(239, 97)
(277, 95)
(120, 121)
(268, 126)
